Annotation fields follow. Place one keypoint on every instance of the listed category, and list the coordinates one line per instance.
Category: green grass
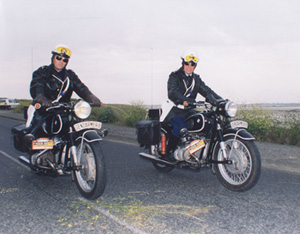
(119, 114)
(272, 126)
(126, 115)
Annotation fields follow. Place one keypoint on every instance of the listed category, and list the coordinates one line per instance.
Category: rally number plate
(195, 145)
(42, 144)
(239, 124)
(87, 125)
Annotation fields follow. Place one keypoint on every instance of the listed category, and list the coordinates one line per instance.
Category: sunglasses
(188, 63)
(60, 58)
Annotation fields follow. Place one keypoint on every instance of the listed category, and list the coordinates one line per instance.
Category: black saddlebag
(154, 114)
(18, 133)
(148, 132)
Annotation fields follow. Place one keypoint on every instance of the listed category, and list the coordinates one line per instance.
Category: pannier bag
(148, 132)
(154, 114)
(18, 133)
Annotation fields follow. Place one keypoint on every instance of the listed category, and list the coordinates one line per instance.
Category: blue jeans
(178, 123)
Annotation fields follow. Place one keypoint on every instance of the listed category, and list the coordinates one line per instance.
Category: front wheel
(91, 179)
(244, 171)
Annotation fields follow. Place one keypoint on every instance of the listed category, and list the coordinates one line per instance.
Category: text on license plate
(87, 125)
(239, 124)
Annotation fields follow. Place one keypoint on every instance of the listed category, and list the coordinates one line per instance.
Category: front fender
(240, 133)
(89, 136)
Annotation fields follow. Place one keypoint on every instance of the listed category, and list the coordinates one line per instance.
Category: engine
(42, 160)
(189, 151)
(47, 157)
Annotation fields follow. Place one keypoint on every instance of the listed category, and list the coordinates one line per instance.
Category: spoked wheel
(244, 171)
(91, 179)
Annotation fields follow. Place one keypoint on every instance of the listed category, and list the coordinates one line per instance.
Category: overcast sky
(124, 50)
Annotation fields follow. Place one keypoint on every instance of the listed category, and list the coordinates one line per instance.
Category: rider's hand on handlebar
(41, 101)
(93, 100)
(214, 101)
(189, 104)
(186, 103)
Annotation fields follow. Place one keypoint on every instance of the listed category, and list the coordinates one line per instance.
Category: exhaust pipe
(27, 162)
(24, 160)
(155, 159)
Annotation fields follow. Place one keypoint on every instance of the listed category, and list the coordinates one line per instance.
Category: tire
(244, 171)
(91, 180)
(160, 166)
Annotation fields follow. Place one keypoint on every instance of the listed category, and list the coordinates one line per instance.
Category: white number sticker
(239, 124)
(87, 125)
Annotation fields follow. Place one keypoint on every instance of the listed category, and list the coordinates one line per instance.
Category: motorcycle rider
(55, 83)
(183, 86)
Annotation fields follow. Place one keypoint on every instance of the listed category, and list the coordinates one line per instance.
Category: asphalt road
(138, 199)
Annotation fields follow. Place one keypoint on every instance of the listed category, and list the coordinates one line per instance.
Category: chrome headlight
(82, 109)
(231, 109)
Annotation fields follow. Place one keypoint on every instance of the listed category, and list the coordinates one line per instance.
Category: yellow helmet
(62, 51)
(190, 55)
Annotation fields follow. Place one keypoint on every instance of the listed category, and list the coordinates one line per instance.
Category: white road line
(13, 159)
(120, 141)
(116, 219)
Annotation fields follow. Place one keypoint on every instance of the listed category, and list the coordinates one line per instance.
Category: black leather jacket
(182, 88)
(47, 82)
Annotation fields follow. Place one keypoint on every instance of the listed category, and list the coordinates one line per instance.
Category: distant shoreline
(265, 106)
(276, 106)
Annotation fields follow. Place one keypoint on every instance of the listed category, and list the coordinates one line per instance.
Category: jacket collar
(60, 75)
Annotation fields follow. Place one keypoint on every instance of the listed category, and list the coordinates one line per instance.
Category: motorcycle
(211, 140)
(63, 142)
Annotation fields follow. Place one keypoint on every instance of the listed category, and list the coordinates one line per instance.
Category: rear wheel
(91, 179)
(244, 171)
(162, 167)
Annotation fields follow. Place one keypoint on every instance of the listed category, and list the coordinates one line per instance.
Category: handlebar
(59, 105)
(219, 102)
(56, 105)
(197, 104)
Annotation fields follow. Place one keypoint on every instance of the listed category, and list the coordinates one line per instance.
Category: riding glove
(93, 100)
(42, 100)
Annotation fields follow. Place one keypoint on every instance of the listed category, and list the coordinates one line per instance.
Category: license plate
(195, 146)
(239, 124)
(42, 143)
(87, 125)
